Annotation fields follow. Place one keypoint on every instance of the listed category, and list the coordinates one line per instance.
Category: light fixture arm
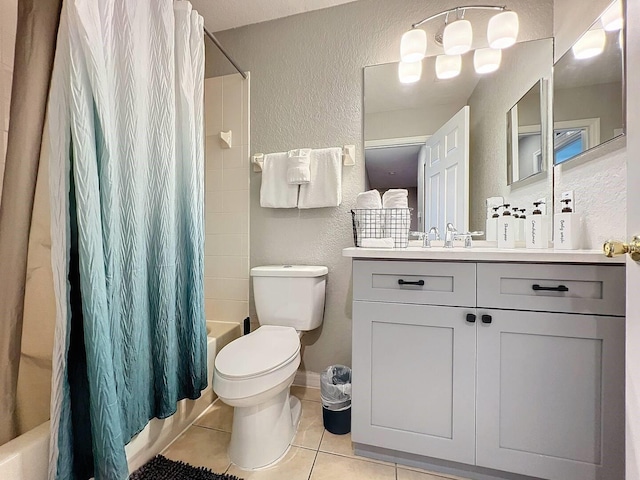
(458, 9)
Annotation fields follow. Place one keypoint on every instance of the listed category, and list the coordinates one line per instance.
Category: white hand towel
(298, 171)
(368, 200)
(275, 192)
(325, 188)
(386, 242)
(395, 198)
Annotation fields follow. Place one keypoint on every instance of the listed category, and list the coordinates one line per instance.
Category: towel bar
(348, 158)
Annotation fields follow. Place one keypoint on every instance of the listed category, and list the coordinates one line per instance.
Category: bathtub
(26, 457)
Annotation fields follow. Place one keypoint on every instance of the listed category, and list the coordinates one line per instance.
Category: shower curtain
(127, 197)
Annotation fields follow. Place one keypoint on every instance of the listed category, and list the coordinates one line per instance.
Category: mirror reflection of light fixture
(487, 60)
(448, 66)
(413, 45)
(457, 37)
(409, 72)
(590, 44)
(612, 19)
(502, 31)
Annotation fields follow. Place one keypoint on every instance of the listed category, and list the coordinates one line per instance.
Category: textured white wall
(599, 176)
(306, 91)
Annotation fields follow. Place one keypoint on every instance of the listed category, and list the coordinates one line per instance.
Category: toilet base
(261, 434)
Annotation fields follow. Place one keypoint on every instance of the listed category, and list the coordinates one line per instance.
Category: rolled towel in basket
(369, 200)
(395, 198)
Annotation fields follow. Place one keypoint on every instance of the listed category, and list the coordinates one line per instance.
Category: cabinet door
(551, 395)
(414, 379)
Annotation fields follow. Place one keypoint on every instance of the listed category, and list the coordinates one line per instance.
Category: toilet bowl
(253, 373)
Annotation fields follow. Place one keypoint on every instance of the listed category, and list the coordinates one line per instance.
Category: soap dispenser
(537, 228)
(492, 226)
(506, 229)
(520, 224)
(566, 233)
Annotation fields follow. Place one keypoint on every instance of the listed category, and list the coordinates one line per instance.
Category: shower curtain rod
(217, 43)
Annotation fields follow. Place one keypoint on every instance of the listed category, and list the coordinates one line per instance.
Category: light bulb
(590, 44)
(448, 66)
(457, 37)
(502, 31)
(413, 45)
(487, 60)
(409, 72)
(612, 19)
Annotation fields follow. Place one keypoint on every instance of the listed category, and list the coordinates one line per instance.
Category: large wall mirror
(588, 91)
(446, 139)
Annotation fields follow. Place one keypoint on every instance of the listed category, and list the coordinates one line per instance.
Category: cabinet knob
(471, 318)
(486, 319)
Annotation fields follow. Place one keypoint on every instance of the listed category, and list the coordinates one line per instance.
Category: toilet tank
(290, 295)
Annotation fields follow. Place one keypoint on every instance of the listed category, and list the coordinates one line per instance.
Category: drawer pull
(559, 288)
(420, 283)
(486, 319)
(471, 318)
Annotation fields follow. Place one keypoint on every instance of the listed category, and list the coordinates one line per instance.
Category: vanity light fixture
(612, 19)
(457, 37)
(410, 72)
(448, 66)
(591, 44)
(487, 60)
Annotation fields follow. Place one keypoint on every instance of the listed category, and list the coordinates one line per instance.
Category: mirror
(409, 128)
(588, 88)
(525, 152)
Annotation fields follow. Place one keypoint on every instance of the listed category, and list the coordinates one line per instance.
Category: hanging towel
(275, 192)
(298, 171)
(325, 188)
(368, 200)
(395, 198)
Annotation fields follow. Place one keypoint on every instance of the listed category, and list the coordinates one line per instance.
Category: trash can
(335, 392)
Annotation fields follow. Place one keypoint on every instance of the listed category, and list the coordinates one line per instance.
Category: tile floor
(315, 454)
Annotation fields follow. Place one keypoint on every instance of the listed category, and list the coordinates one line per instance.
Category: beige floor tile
(201, 447)
(413, 473)
(296, 465)
(218, 416)
(341, 445)
(330, 467)
(306, 393)
(310, 428)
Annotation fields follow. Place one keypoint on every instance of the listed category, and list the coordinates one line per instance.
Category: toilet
(253, 373)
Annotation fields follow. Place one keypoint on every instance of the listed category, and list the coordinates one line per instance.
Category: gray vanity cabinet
(503, 366)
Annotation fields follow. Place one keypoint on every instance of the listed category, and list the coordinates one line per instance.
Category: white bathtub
(26, 457)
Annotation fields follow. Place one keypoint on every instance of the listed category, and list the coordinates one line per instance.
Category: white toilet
(253, 373)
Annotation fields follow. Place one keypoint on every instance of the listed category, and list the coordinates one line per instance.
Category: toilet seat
(261, 352)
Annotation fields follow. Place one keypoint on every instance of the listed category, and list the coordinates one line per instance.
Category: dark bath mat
(161, 468)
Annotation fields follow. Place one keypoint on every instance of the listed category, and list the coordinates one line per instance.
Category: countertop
(484, 254)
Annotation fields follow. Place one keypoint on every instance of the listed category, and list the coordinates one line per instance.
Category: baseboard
(305, 378)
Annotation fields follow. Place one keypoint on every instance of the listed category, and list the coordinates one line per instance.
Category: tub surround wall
(8, 21)
(307, 92)
(227, 199)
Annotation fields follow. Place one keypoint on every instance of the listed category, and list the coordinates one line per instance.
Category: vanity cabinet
(510, 367)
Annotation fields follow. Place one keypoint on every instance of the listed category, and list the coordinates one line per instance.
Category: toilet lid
(259, 352)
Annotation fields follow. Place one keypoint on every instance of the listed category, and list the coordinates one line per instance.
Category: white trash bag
(335, 387)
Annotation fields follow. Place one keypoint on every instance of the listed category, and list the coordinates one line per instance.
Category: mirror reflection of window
(588, 92)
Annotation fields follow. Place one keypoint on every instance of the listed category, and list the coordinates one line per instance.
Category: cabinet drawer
(593, 289)
(426, 283)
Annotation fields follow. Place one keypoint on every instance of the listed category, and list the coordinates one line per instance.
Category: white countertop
(484, 254)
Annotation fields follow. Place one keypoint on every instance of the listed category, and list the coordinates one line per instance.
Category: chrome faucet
(426, 241)
(450, 235)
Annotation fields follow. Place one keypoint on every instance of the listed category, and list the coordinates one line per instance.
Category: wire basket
(382, 223)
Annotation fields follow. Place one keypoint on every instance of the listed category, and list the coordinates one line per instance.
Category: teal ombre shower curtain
(127, 195)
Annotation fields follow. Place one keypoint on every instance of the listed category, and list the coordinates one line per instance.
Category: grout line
(316, 456)
(212, 428)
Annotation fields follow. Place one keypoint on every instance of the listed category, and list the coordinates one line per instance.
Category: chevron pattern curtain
(127, 197)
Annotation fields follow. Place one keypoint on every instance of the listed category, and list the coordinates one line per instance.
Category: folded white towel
(298, 171)
(377, 242)
(395, 198)
(275, 192)
(325, 188)
(368, 200)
